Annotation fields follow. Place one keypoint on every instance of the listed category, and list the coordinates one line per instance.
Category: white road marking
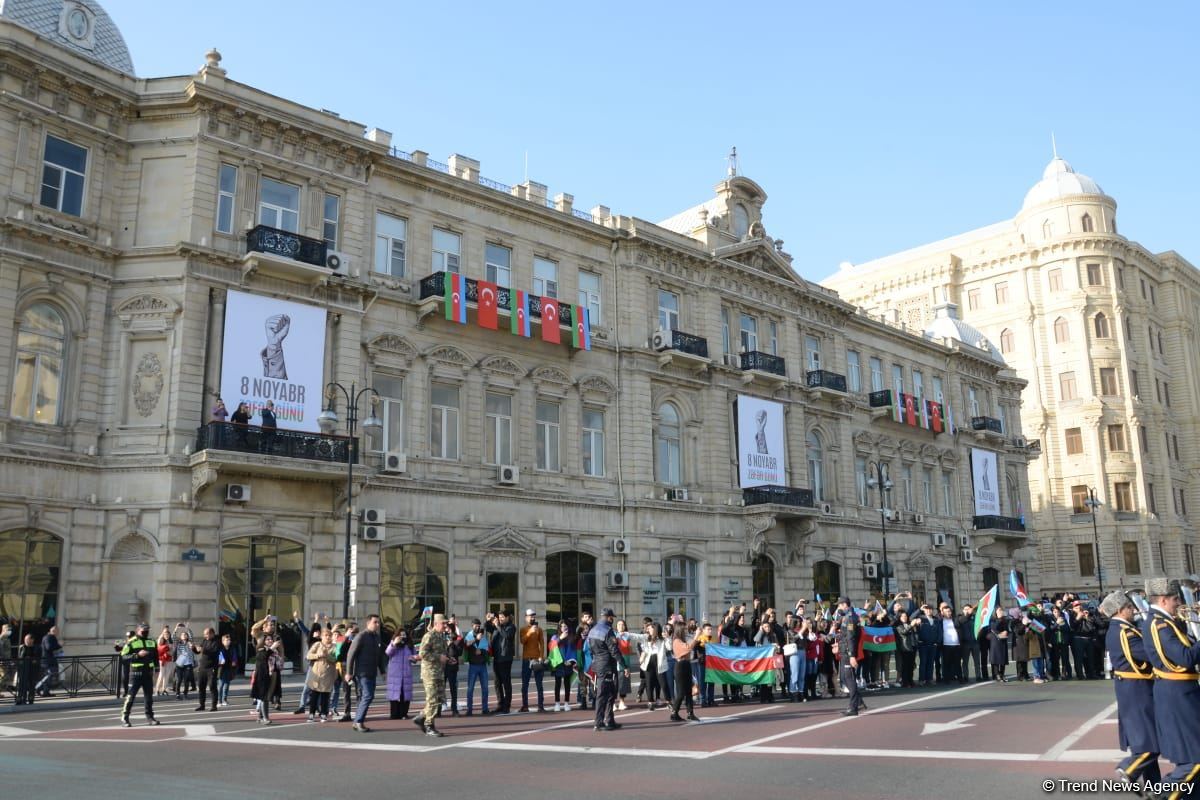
(727, 717)
(12, 730)
(872, 752)
(1109, 721)
(1111, 756)
(1054, 753)
(514, 734)
(961, 722)
(405, 748)
(606, 751)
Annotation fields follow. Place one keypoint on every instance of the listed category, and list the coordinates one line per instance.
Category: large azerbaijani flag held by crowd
(739, 666)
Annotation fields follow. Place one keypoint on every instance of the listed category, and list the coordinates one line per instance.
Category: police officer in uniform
(847, 644)
(1174, 657)
(1133, 680)
(142, 654)
(433, 674)
(607, 664)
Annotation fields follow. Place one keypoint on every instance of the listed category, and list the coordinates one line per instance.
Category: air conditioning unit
(827, 509)
(618, 579)
(871, 570)
(966, 555)
(237, 493)
(620, 547)
(1019, 441)
(895, 516)
(372, 533)
(964, 541)
(939, 540)
(677, 493)
(869, 557)
(509, 474)
(395, 461)
(918, 519)
(373, 516)
(338, 262)
(661, 340)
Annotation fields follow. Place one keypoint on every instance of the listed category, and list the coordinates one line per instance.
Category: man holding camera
(533, 660)
(504, 647)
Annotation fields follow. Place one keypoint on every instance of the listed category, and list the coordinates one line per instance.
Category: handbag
(778, 662)
(789, 649)
(537, 664)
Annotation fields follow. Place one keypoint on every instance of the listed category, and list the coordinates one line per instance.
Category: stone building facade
(1106, 333)
(144, 214)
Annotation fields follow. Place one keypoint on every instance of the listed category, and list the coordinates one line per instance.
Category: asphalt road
(974, 741)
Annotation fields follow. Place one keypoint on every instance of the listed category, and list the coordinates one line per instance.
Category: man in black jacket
(847, 643)
(504, 648)
(969, 643)
(207, 662)
(607, 664)
(362, 668)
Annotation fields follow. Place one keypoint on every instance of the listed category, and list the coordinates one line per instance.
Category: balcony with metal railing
(432, 288)
(755, 363)
(791, 501)
(685, 349)
(252, 449)
(823, 379)
(285, 254)
(987, 428)
(880, 399)
(1000, 528)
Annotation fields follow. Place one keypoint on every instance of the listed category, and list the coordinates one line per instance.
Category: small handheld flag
(1016, 585)
(985, 610)
(427, 613)
(1037, 626)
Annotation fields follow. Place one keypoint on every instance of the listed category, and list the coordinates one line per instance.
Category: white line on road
(1054, 753)
(953, 725)
(870, 752)
(727, 717)
(604, 751)
(405, 748)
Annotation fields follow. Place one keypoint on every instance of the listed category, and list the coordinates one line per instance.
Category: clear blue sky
(872, 126)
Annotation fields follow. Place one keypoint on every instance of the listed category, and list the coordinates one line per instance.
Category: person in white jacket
(652, 658)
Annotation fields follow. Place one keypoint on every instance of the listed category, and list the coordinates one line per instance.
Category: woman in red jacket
(166, 664)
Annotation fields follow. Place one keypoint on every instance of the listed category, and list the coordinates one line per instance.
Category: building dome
(947, 326)
(1059, 179)
(78, 25)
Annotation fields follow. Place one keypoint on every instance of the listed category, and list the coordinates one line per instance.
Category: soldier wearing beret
(1174, 658)
(1133, 680)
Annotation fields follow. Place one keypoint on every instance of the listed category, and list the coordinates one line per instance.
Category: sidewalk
(61, 702)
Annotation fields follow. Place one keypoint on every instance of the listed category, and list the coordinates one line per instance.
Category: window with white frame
(772, 337)
(64, 171)
(331, 212)
(590, 297)
(668, 310)
(447, 251)
(748, 336)
(497, 435)
(545, 278)
(973, 401)
(726, 341)
(906, 487)
(876, 374)
(547, 436)
(812, 351)
(226, 197)
(918, 381)
(497, 264)
(897, 379)
(279, 205)
(860, 480)
(816, 464)
(854, 370)
(391, 234)
(937, 388)
(927, 490)
(593, 442)
(947, 494)
(443, 422)
(38, 379)
(391, 411)
(668, 446)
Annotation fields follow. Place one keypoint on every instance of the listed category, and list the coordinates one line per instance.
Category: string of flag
(488, 311)
(911, 410)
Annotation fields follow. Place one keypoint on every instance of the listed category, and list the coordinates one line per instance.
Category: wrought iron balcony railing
(277, 442)
(824, 379)
(264, 239)
(880, 399)
(764, 362)
(435, 286)
(990, 424)
(689, 343)
(779, 495)
(993, 522)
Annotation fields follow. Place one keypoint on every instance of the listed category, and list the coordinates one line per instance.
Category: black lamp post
(881, 481)
(1093, 504)
(328, 421)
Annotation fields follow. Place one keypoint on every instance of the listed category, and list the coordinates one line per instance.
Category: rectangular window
(937, 389)
(279, 205)
(973, 401)
(773, 337)
(1108, 381)
(812, 351)
(447, 251)
(748, 333)
(918, 381)
(1079, 498)
(391, 412)
(854, 370)
(1153, 296)
(1133, 561)
(1182, 503)
(1133, 383)
(497, 264)
(1143, 288)
(497, 434)
(1120, 277)
(226, 197)
(1143, 440)
(860, 480)
(547, 436)
(1093, 275)
(1158, 389)
(897, 379)
(1151, 500)
(1074, 437)
(973, 299)
(1087, 560)
(1123, 496)
(1054, 278)
(589, 296)
(1167, 394)
(726, 341)
(668, 310)
(443, 422)
(1189, 555)
(545, 277)
(593, 442)
(1175, 445)
(1162, 557)
(1116, 439)
(329, 220)
(1066, 386)
(1002, 293)
(876, 374)
(927, 490)
(906, 488)
(1002, 413)
(947, 495)
(390, 235)
(64, 168)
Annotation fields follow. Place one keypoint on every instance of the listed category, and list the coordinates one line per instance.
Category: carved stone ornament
(505, 540)
(147, 384)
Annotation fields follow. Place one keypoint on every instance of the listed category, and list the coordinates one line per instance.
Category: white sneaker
(621, 705)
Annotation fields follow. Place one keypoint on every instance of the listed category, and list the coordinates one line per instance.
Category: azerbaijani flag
(739, 666)
(878, 640)
(456, 297)
(985, 609)
(519, 312)
(1016, 585)
(554, 659)
(426, 613)
(896, 402)
(1037, 626)
(581, 334)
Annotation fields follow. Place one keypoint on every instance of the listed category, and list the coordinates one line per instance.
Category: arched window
(30, 562)
(1087, 223)
(741, 220)
(37, 382)
(411, 577)
(816, 465)
(681, 586)
(1102, 329)
(1062, 331)
(1006, 341)
(261, 574)
(1047, 229)
(991, 577)
(762, 577)
(668, 446)
(827, 581)
(570, 586)
(944, 577)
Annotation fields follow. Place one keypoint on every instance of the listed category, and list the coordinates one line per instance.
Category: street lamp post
(1093, 504)
(881, 480)
(328, 421)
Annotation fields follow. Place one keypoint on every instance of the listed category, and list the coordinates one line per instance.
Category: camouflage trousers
(435, 693)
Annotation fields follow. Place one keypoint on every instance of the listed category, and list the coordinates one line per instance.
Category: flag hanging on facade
(1016, 585)
(489, 294)
(739, 666)
(897, 406)
(581, 334)
(519, 312)
(949, 419)
(456, 297)
(923, 409)
(985, 609)
(910, 410)
(550, 315)
(878, 640)
(936, 423)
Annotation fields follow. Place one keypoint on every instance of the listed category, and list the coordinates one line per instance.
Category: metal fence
(77, 675)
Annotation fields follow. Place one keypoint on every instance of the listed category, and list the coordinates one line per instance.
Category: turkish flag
(910, 410)
(487, 305)
(935, 417)
(550, 313)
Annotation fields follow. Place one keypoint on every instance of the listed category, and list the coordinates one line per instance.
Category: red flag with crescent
(487, 305)
(910, 410)
(550, 314)
(935, 417)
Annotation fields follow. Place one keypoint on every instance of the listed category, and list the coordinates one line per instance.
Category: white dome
(1059, 179)
(946, 325)
(79, 25)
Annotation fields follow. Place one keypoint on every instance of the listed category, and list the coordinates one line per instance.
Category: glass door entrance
(502, 593)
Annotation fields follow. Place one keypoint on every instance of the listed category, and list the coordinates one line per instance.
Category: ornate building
(562, 396)
(1105, 332)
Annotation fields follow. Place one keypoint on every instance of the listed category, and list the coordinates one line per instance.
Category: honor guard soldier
(1174, 657)
(847, 644)
(142, 653)
(433, 675)
(1133, 679)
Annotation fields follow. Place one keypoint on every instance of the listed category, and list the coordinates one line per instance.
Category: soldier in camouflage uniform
(433, 674)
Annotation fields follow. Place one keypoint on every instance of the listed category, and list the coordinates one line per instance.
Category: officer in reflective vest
(1133, 679)
(1174, 657)
(142, 654)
